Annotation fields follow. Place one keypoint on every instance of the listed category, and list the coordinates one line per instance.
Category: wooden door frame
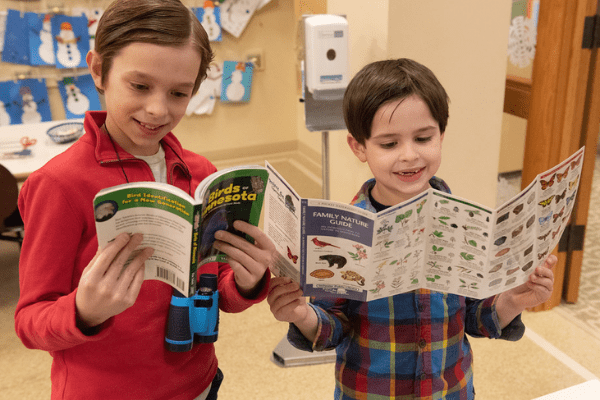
(559, 115)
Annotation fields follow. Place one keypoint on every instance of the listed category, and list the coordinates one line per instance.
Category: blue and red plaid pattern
(409, 346)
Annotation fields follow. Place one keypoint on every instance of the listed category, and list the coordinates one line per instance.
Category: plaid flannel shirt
(408, 346)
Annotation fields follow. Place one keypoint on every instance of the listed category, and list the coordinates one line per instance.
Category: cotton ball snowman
(235, 90)
(93, 17)
(67, 52)
(209, 21)
(4, 116)
(46, 49)
(29, 106)
(77, 102)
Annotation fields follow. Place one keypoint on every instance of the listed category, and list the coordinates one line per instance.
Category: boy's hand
(248, 261)
(536, 290)
(105, 289)
(286, 301)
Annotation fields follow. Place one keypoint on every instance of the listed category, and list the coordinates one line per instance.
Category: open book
(181, 228)
(434, 241)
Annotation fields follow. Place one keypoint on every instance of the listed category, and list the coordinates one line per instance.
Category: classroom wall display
(522, 35)
(16, 43)
(93, 16)
(71, 41)
(3, 15)
(27, 101)
(41, 44)
(5, 104)
(203, 102)
(235, 15)
(210, 18)
(236, 81)
(79, 95)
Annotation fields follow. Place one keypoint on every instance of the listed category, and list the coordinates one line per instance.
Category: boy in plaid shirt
(411, 345)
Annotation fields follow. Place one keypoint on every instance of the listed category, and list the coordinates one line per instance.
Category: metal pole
(325, 163)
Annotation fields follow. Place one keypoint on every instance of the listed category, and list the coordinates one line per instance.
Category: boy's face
(147, 91)
(404, 150)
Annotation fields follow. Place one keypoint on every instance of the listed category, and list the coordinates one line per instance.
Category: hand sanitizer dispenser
(326, 54)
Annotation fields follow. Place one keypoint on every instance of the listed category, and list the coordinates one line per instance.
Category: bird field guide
(434, 241)
(181, 228)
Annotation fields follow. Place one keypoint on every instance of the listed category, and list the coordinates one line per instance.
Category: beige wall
(464, 42)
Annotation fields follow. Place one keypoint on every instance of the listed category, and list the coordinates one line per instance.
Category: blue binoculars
(194, 319)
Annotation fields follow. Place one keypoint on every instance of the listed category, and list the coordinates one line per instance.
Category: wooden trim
(517, 96)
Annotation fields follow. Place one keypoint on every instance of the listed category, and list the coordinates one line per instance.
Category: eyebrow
(143, 75)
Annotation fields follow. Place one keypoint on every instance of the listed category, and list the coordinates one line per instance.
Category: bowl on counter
(66, 132)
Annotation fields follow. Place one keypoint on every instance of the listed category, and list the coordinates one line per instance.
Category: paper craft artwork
(5, 103)
(237, 81)
(71, 41)
(210, 18)
(16, 42)
(78, 95)
(93, 16)
(27, 100)
(41, 45)
(210, 89)
(521, 41)
(11, 149)
(3, 15)
(235, 15)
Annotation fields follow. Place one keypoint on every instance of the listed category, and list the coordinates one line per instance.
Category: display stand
(324, 115)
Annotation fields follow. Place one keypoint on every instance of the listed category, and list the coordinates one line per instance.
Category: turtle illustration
(353, 276)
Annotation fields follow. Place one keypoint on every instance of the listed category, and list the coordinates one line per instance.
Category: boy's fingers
(104, 257)
(116, 265)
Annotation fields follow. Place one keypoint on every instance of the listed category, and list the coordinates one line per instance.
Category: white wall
(464, 42)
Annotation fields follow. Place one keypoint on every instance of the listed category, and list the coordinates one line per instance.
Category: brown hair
(383, 81)
(161, 22)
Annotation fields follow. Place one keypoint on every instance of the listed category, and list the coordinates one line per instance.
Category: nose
(408, 152)
(157, 105)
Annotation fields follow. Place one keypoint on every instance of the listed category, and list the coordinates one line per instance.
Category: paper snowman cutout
(46, 49)
(237, 81)
(210, 18)
(29, 106)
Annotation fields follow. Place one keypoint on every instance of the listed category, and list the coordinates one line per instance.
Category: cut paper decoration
(235, 15)
(521, 41)
(93, 16)
(71, 41)
(210, 89)
(16, 41)
(41, 45)
(237, 81)
(3, 15)
(28, 100)
(78, 95)
(210, 18)
(5, 103)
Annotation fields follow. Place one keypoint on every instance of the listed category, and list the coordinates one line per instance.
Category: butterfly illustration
(291, 256)
(573, 183)
(564, 174)
(555, 233)
(543, 237)
(541, 255)
(559, 197)
(548, 183)
(575, 163)
(570, 198)
(545, 219)
(560, 214)
(546, 202)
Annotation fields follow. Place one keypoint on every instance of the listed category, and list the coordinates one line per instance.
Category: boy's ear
(94, 62)
(357, 148)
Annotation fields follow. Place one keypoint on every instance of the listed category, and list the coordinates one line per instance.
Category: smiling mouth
(148, 126)
(410, 173)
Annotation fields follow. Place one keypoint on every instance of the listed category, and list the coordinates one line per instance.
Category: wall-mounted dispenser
(326, 53)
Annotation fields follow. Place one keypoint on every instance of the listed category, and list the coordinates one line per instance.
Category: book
(178, 226)
(435, 240)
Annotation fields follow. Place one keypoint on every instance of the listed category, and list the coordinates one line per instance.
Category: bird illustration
(318, 243)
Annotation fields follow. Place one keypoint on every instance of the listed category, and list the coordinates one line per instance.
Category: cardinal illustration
(318, 243)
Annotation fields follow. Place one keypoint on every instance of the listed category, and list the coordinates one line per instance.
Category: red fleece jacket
(126, 359)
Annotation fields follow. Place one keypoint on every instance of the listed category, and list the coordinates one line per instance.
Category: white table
(41, 152)
(589, 390)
